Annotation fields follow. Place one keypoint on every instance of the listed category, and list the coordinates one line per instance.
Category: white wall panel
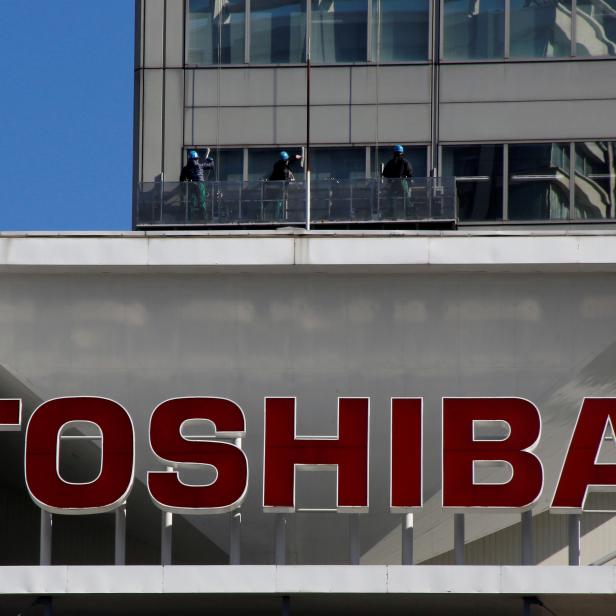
(528, 81)
(154, 15)
(174, 118)
(152, 123)
(550, 120)
(174, 34)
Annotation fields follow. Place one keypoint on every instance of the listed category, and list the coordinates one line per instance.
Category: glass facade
(540, 29)
(216, 31)
(478, 170)
(596, 28)
(338, 163)
(277, 31)
(539, 181)
(339, 31)
(261, 162)
(401, 30)
(358, 31)
(595, 180)
(473, 30)
(416, 155)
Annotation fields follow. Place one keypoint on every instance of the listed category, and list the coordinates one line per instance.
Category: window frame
(308, 12)
(572, 57)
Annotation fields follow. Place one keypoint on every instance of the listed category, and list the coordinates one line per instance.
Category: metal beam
(45, 538)
(458, 538)
(407, 539)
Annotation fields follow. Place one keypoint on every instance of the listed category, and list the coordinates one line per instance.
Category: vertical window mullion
(368, 166)
(573, 28)
(506, 181)
(247, 26)
(441, 28)
(571, 180)
(507, 39)
(245, 165)
(369, 41)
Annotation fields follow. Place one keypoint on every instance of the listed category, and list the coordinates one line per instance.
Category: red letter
(461, 450)
(10, 415)
(284, 450)
(111, 488)
(581, 469)
(406, 454)
(229, 488)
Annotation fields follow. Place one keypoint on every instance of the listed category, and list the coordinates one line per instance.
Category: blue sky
(66, 114)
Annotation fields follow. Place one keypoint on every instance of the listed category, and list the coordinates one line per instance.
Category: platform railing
(263, 203)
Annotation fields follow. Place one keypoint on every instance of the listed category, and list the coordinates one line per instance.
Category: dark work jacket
(195, 171)
(281, 172)
(398, 167)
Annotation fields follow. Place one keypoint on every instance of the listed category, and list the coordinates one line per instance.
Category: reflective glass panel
(228, 164)
(596, 28)
(539, 181)
(339, 31)
(595, 180)
(400, 30)
(261, 162)
(474, 29)
(338, 163)
(417, 156)
(216, 31)
(478, 170)
(540, 29)
(277, 31)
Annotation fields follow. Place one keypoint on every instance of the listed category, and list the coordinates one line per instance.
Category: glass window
(261, 162)
(400, 30)
(339, 31)
(277, 31)
(474, 29)
(540, 29)
(478, 170)
(539, 181)
(228, 164)
(417, 156)
(338, 163)
(596, 28)
(595, 180)
(216, 31)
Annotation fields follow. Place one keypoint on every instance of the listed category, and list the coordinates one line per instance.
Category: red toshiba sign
(346, 452)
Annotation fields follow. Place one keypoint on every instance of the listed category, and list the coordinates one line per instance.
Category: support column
(458, 538)
(235, 538)
(407, 539)
(354, 541)
(120, 535)
(527, 538)
(45, 538)
(280, 543)
(166, 538)
(286, 606)
(575, 522)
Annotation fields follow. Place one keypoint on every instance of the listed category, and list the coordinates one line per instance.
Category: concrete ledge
(316, 580)
(312, 252)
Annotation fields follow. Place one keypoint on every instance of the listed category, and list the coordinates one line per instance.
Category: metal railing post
(308, 199)
(458, 538)
(407, 539)
(235, 530)
(120, 535)
(166, 535)
(45, 538)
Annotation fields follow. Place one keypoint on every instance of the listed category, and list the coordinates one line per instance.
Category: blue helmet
(193, 154)
(398, 149)
(284, 155)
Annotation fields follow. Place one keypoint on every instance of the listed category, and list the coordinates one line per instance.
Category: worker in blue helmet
(398, 167)
(397, 174)
(197, 172)
(282, 171)
(277, 194)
